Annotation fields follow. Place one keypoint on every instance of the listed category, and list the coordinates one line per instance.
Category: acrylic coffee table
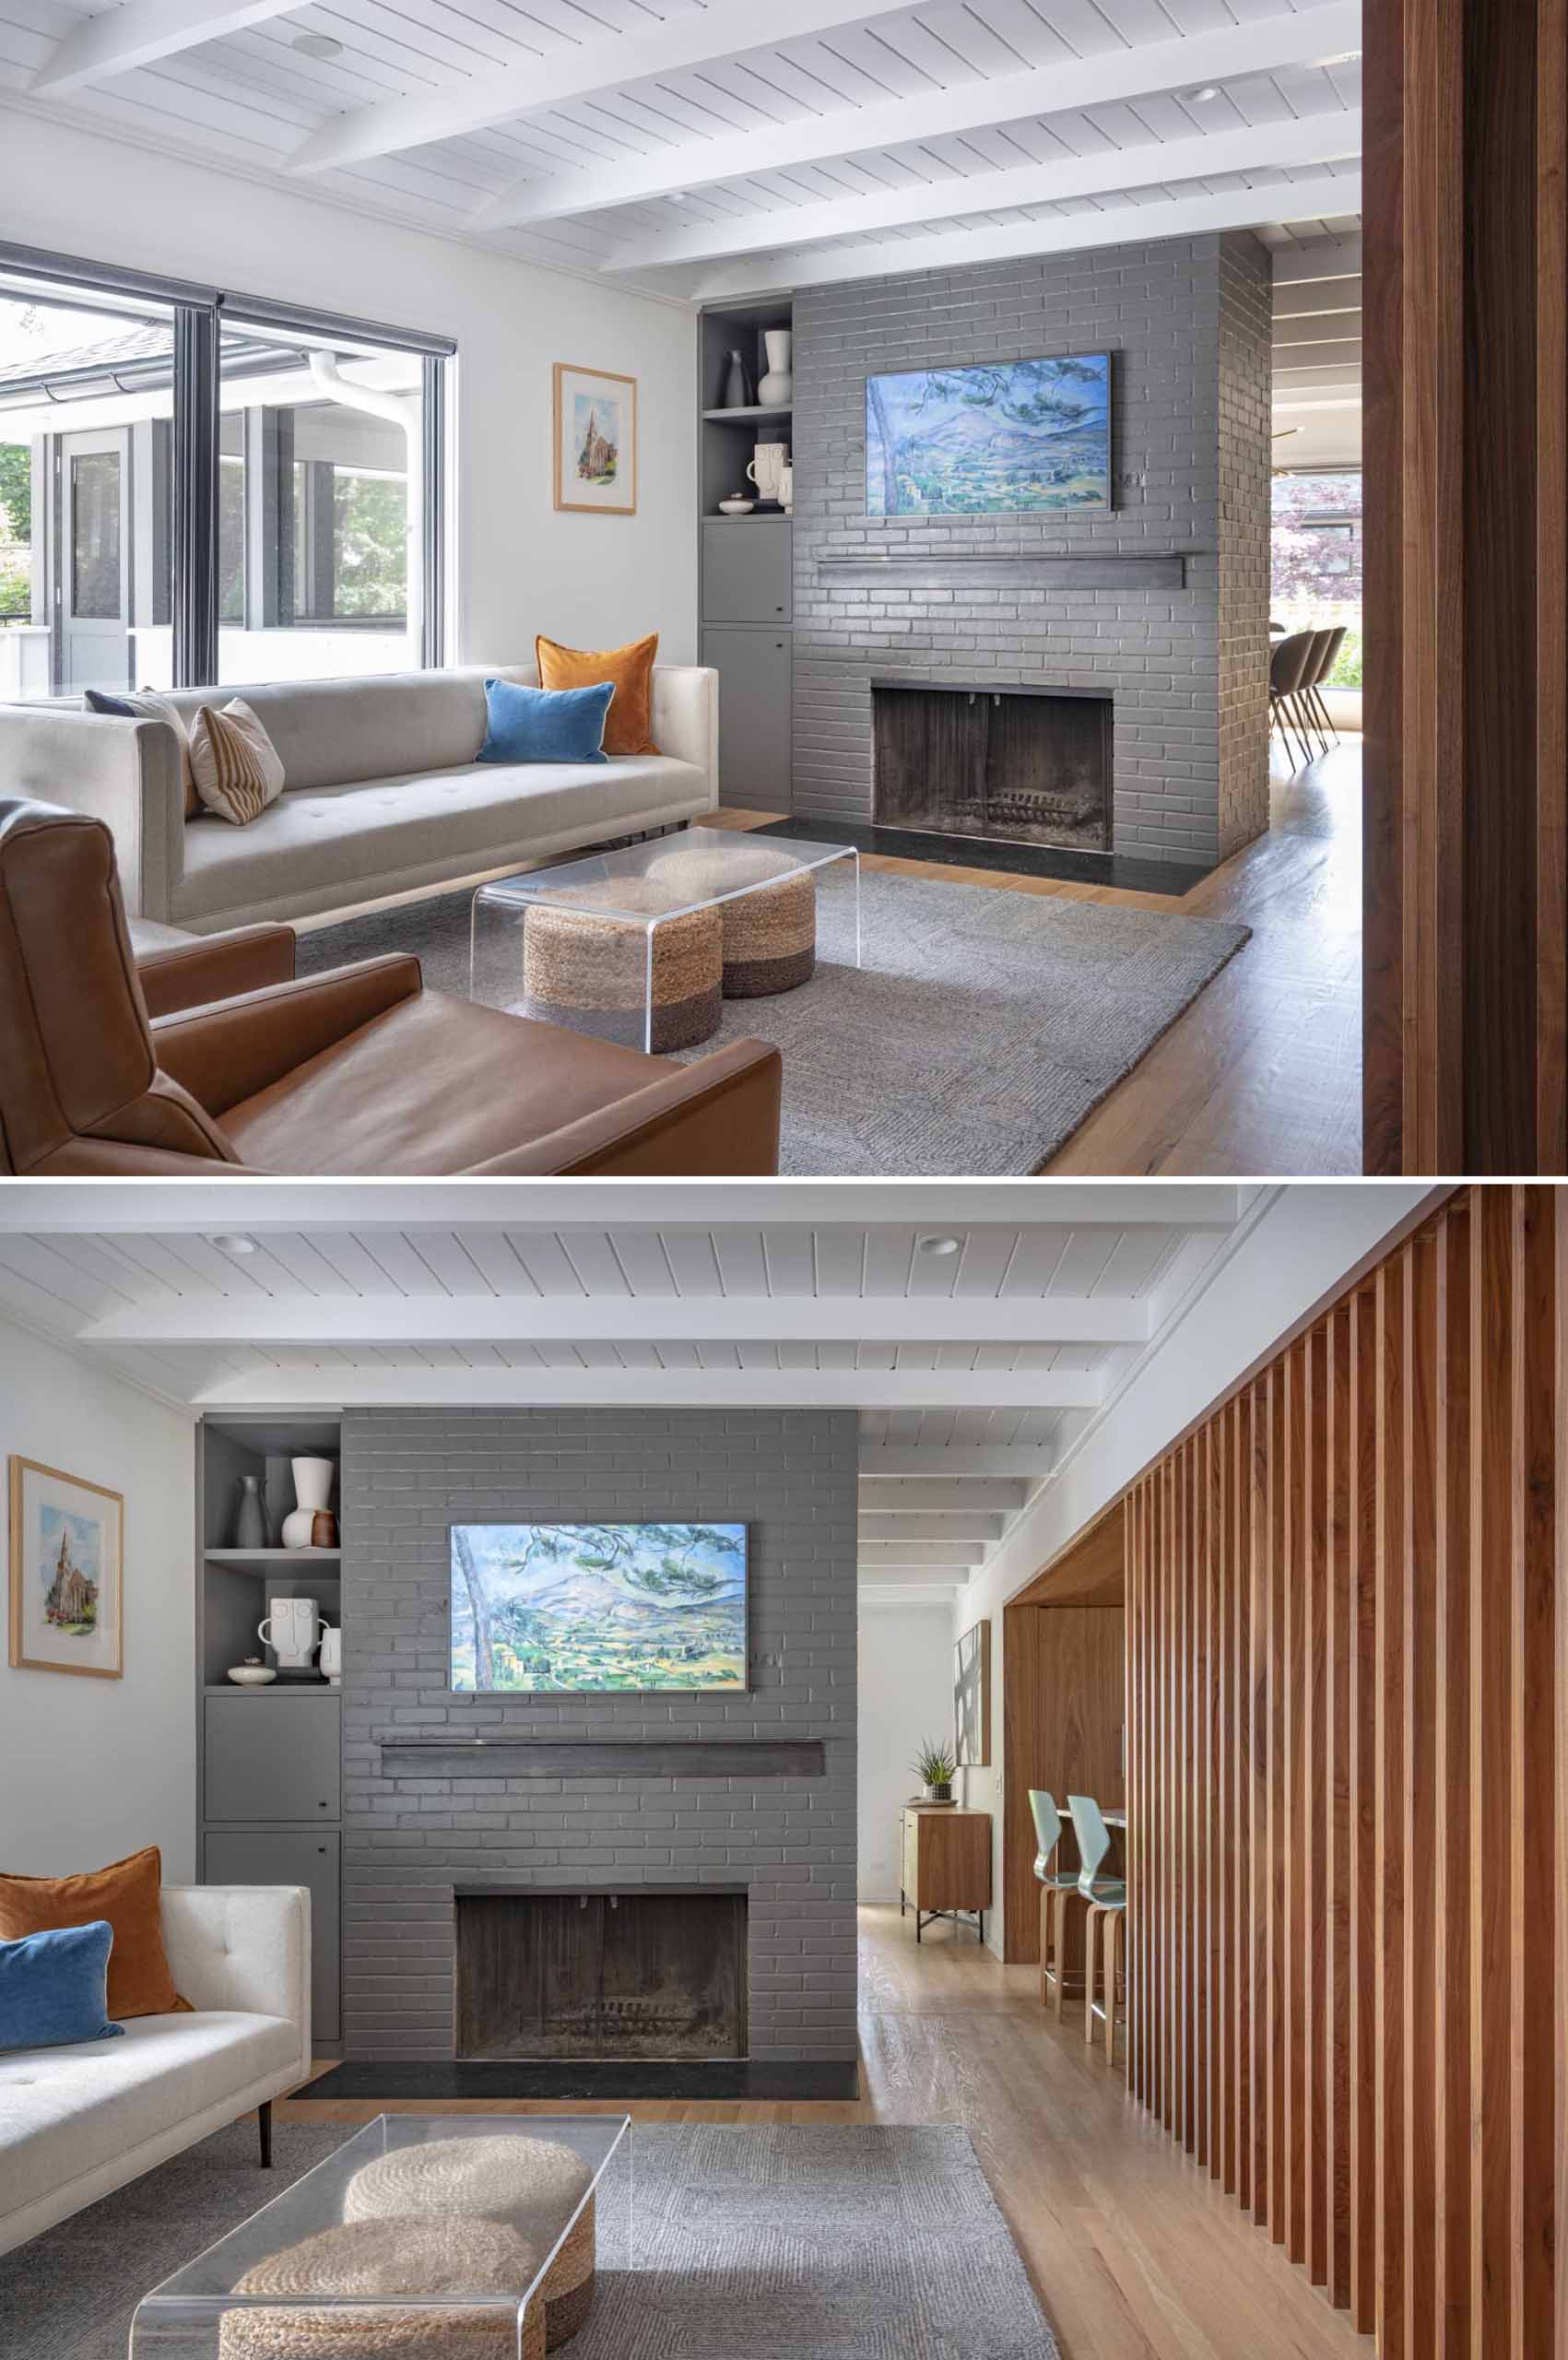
(422, 2238)
(635, 946)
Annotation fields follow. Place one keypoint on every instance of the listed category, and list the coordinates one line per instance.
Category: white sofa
(383, 795)
(77, 2122)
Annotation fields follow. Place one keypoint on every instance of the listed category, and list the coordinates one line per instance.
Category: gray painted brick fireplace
(781, 1824)
(1086, 602)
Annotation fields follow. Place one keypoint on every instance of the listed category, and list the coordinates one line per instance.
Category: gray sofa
(383, 795)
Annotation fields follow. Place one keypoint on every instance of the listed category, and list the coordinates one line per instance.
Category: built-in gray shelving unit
(747, 566)
(269, 1761)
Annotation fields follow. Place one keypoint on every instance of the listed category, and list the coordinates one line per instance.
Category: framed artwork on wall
(598, 1608)
(993, 437)
(972, 1698)
(595, 441)
(66, 1573)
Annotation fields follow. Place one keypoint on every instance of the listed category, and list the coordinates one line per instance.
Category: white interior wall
(906, 1694)
(1307, 1239)
(593, 581)
(92, 1769)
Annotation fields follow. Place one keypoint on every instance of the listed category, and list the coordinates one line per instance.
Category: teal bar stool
(1055, 1883)
(1107, 1899)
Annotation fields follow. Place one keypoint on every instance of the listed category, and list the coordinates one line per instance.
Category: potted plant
(934, 1766)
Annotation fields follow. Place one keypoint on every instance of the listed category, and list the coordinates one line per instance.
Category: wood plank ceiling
(676, 152)
(971, 1368)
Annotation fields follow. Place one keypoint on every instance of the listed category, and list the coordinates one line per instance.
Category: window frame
(194, 458)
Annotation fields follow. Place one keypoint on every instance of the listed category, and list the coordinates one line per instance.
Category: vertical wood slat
(1347, 1720)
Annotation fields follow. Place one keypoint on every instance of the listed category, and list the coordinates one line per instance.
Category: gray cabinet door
(754, 722)
(746, 568)
(291, 1856)
(270, 1756)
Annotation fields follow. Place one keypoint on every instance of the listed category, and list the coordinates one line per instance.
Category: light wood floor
(1262, 1074)
(1133, 2251)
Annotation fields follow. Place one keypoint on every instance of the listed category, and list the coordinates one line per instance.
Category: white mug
(290, 1630)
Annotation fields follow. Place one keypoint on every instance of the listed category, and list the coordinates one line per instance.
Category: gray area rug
(984, 1026)
(775, 2242)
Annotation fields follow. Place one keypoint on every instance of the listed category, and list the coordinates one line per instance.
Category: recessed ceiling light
(939, 1244)
(316, 45)
(1204, 92)
(676, 197)
(226, 1245)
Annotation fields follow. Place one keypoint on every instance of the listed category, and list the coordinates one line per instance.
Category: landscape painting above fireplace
(992, 438)
(592, 1608)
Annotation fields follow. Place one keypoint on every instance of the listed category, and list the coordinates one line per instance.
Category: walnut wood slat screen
(1347, 1736)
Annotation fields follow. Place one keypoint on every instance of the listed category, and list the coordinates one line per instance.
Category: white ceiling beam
(1317, 297)
(986, 1529)
(1318, 327)
(138, 32)
(1292, 361)
(1120, 225)
(607, 61)
(1310, 139)
(1317, 259)
(910, 1586)
(891, 1494)
(337, 1387)
(914, 1462)
(958, 1555)
(1270, 46)
(261, 1206)
(522, 1318)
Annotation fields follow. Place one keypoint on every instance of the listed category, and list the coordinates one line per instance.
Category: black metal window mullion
(432, 524)
(194, 605)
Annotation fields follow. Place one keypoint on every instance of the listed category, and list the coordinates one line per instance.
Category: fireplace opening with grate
(647, 1973)
(1025, 765)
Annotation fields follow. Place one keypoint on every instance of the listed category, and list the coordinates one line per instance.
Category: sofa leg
(264, 2123)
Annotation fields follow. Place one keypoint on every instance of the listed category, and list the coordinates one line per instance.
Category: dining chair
(1285, 666)
(1309, 705)
(1056, 1884)
(1335, 637)
(1107, 1899)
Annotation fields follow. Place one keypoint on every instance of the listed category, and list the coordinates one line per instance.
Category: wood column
(1465, 470)
(1347, 1602)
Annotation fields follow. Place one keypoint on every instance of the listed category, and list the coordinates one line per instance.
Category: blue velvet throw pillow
(545, 725)
(55, 1988)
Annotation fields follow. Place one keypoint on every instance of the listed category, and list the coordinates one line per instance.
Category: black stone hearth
(435, 2082)
(1128, 871)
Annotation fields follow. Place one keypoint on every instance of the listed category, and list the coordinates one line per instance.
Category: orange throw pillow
(629, 723)
(126, 1895)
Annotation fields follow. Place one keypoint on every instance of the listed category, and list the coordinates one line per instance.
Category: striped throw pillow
(236, 766)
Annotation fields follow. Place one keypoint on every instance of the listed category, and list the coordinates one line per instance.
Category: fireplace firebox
(1033, 766)
(650, 1973)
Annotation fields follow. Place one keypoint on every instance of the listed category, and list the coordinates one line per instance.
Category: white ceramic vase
(290, 1629)
(777, 388)
(313, 1490)
(331, 1655)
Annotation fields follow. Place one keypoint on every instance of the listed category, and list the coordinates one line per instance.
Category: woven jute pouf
(589, 971)
(532, 2184)
(421, 2260)
(770, 932)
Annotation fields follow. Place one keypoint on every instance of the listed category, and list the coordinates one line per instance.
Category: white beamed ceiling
(971, 1372)
(673, 145)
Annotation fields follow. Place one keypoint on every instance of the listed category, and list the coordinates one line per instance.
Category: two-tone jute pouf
(591, 972)
(770, 931)
(533, 2185)
(422, 2259)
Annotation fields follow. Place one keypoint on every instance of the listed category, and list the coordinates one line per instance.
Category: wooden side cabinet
(946, 1872)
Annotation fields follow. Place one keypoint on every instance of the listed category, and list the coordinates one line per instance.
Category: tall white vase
(313, 1490)
(777, 388)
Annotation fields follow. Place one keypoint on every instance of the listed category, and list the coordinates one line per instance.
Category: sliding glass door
(197, 488)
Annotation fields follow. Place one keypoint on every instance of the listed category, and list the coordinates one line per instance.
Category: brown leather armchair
(178, 970)
(356, 1072)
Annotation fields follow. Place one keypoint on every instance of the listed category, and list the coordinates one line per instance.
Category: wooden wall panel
(1347, 1601)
